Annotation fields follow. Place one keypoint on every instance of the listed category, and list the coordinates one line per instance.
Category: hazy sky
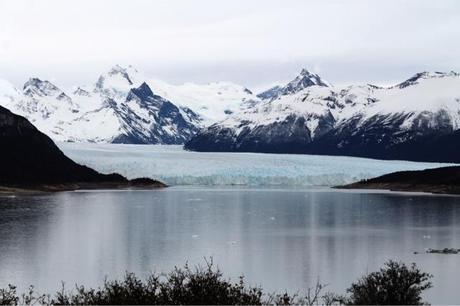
(254, 43)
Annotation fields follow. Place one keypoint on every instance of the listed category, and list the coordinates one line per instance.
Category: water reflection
(281, 239)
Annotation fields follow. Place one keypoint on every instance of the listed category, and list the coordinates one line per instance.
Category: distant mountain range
(418, 119)
(122, 108)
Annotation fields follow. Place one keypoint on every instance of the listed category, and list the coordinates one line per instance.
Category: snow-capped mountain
(125, 106)
(117, 82)
(43, 103)
(369, 121)
(303, 80)
(118, 108)
(417, 119)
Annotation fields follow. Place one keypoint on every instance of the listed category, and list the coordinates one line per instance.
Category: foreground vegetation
(394, 284)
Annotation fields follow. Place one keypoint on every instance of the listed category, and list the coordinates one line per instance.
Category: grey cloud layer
(250, 42)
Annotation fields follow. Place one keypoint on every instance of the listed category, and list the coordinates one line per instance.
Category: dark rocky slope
(439, 180)
(166, 123)
(375, 139)
(372, 140)
(30, 160)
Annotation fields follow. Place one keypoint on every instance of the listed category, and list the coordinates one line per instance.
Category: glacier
(176, 166)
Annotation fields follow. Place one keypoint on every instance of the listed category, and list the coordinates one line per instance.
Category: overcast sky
(254, 43)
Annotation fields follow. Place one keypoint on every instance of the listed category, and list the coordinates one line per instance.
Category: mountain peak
(35, 86)
(143, 91)
(127, 73)
(303, 80)
(117, 68)
(424, 75)
(312, 78)
(36, 82)
(118, 78)
(306, 72)
(118, 71)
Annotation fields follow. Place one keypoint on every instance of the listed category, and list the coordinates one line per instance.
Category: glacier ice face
(175, 166)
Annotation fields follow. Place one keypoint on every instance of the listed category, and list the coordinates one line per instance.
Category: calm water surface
(282, 239)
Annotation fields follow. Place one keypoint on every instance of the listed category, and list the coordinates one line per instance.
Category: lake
(283, 238)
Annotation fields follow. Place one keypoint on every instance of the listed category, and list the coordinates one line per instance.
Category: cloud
(345, 40)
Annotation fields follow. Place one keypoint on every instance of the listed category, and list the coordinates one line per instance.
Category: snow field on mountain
(213, 101)
(430, 95)
(7, 92)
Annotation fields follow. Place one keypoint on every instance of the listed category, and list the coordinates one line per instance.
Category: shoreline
(444, 180)
(429, 189)
(46, 188)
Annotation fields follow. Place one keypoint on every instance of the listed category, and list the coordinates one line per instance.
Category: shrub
(203, 285)
(313, 296)
(395, 284)
(9, 296)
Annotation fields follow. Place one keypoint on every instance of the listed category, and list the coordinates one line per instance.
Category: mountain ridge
(103, 112)
(356, 120)
(307, 115)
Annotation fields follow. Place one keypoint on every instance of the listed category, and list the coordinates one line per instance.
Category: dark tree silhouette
(395, 284)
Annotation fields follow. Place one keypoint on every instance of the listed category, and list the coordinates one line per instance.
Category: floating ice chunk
(194, 200)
